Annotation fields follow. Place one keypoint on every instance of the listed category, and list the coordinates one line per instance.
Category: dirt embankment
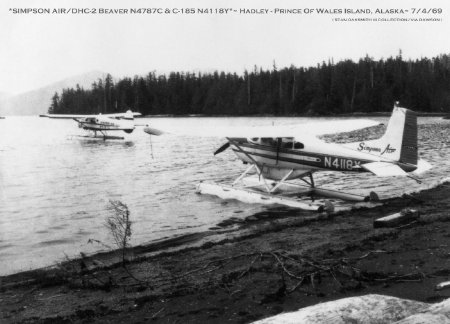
(280, 264)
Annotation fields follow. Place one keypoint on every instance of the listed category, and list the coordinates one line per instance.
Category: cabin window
(298, 145)
(268, 141)
(287, 143)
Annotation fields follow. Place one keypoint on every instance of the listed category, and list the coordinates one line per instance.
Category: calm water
(55, 188)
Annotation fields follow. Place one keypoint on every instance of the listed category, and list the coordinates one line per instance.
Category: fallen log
(443, 285)
(405, 216)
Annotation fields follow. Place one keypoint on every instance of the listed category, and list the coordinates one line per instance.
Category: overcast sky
(38, 49)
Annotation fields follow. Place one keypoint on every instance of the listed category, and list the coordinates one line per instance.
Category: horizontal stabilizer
(422, 166)
(384, 169)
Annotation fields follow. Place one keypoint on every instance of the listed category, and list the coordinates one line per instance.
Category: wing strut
(243, 174)
(279, 139)
(281, 181)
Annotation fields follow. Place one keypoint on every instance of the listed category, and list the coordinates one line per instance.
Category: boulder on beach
(367, 309)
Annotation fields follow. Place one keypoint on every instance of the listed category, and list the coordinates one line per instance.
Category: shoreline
(338, 115)
(247, 277)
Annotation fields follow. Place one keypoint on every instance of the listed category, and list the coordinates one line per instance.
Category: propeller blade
(222, 148)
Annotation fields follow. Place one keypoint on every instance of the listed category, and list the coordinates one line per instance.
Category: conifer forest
(329, 88)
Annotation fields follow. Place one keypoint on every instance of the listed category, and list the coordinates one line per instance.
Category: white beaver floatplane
(99, 125)
(281, 154)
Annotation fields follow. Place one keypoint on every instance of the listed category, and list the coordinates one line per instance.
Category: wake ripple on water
(54, 188)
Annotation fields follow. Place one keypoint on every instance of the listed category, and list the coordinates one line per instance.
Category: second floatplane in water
(98, 126)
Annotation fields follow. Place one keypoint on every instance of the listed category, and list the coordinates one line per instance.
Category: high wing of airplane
(280, 154)
(103, 123)
(71, 116)
(309, 130)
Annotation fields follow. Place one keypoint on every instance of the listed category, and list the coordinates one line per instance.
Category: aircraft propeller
(222, 148)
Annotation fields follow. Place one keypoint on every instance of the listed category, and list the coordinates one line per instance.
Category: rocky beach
(275, 265)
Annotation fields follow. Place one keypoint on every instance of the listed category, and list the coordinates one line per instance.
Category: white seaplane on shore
(277, 155)
(102, 124)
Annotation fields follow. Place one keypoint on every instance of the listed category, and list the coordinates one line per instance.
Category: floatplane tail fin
(128, 115)
(401, 135)
(399, 142)
(397, 147)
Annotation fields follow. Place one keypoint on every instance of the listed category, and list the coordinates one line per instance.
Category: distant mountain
(36, 102)
(4, 95)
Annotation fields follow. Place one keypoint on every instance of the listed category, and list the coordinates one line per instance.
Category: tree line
(329, 88)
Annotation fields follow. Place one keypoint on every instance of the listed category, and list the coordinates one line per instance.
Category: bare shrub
(119, 225)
